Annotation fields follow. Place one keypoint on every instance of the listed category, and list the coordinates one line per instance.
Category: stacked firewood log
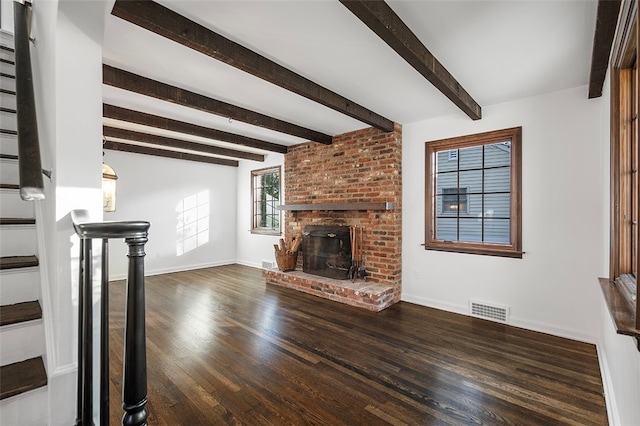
(287, 253)
(290, 246)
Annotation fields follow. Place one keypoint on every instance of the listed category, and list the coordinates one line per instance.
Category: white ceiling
(498, 51)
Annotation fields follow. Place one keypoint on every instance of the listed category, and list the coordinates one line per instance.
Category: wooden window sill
(621, 312)
(474, 248)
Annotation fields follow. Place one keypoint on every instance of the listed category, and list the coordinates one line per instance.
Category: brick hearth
(363, 294)
(359, 167)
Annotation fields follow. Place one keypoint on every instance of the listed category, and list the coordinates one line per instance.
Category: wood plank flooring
(225, 348)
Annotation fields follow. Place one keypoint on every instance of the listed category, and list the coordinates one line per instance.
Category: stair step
(14, 262)
(19, 285)
(21, 341)
(11, 205)
(20, 312)
(8, 119)
(8, 102)
(18, 240)
(17, 221)
(9, 168)
(22, 377)
(7, 81)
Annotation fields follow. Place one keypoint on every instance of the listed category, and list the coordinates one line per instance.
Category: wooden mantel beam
(168, 142)
(167, 23)
(606, 22)
(164, 123)
(382, 20)
(126, 80)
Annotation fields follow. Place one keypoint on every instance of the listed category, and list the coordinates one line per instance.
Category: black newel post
(80, 386)
(85, 335)
(104, 336)
(135, 352)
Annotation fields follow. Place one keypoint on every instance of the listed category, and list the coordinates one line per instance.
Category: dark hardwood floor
(224, 348)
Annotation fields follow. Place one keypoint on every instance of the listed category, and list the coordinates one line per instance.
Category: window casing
(624, 252)
(473, 201)
(265, 199)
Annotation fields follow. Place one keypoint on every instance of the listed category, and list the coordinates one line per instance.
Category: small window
(473, 196)
(454, 201)
(265, 193)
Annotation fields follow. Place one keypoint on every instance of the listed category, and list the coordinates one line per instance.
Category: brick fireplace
(361, 170)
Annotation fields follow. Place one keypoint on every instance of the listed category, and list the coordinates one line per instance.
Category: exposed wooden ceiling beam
(137, 149)
(382, 20)
(606, 22)
(169, 142)
(167, 23)
(137, 117)
(126, 80)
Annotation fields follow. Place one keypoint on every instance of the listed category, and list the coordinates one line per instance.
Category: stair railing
(29, 160)
(134, 389)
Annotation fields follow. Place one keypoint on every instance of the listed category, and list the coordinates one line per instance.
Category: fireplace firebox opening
(326, 251)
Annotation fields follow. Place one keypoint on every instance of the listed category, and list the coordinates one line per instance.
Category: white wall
(254, 248)
(154, 189)
(553, 288)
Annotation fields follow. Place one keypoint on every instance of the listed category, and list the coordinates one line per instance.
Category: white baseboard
(609, 394)
(514, 321)
(250, 264)
(181, 268)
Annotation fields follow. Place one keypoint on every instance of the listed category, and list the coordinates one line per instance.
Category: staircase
(23, 379)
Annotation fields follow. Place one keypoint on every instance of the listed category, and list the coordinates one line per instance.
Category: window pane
(497, 231)
(446, 161)
(452, 201)
(497, 154)
(497, 205)
(472, 180)
(471, 230)
(446, 180)
(497, 180)
(447, 229)
(470, 158)
(475, 206)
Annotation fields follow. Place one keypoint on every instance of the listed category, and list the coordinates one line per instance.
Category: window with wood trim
(473, 201)
(624, 252)
(265, 199)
